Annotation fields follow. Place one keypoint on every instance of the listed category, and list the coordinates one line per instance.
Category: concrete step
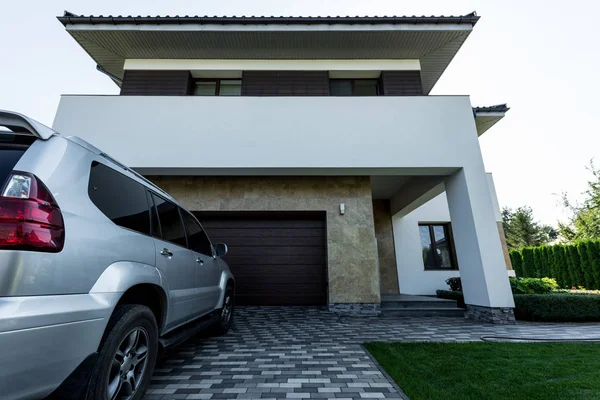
(424, 312)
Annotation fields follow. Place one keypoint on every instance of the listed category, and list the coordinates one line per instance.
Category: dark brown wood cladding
(276, 259)
(156, 83)
(401, 83)
(285, 83)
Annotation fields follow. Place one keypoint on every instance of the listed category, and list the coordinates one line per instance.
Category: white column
(478, 248)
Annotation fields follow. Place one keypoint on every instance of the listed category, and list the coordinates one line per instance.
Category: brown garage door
(276, 258)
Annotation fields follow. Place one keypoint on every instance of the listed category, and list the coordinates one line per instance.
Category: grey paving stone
(284, 352)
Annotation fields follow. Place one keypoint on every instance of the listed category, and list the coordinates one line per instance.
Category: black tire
(126, 321)
(225, 313)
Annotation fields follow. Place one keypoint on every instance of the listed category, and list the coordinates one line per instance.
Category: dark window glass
(197, 239)
(218, 87)
(170, 221)
(354, 87)
(340, 87)
(436, 247)
(120, 198)
(365, 87)
(8, 159)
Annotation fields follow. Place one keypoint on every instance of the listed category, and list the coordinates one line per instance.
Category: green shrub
(454, 283)
(574, 266)
(517, 262)
(557, 307)
(452, 295)
(584, 262)
(537, 262)
(533, 285)
(559, 261)
(528, 263)
(594, 259)
(548, 264)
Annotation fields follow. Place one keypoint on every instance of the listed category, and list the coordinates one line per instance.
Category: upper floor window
(354, 87)
(218, 87)
(436, 246)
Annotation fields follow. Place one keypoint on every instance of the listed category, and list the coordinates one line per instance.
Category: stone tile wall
(353, 274)
(385, 247)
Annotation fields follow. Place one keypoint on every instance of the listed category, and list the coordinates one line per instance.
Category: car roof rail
(20, 124)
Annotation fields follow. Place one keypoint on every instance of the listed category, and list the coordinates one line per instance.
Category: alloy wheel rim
(128, 365)
(227, 307)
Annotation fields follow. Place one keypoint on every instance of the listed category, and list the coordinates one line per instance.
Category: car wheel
(127, 355)
(225, 313)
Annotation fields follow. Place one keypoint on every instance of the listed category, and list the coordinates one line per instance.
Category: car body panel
(44, 338)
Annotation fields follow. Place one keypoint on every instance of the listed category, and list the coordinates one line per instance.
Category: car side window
(119, 197)
(170, 221)
(197, 238)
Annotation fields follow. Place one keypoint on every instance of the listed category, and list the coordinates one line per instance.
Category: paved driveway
(286, 352)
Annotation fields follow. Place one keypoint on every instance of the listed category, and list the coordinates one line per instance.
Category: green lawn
(464, 371)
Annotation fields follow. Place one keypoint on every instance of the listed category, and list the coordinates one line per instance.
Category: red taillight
(30, 219)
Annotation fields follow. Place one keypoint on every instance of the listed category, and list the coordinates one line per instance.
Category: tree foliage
(521, 230)
(584, 220)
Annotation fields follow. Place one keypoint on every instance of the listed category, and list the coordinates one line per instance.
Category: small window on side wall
(436, 246)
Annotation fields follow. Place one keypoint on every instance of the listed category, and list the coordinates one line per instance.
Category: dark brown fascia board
(72, 19)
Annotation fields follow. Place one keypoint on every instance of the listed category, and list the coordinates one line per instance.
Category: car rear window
(8, 159)
(12, 148)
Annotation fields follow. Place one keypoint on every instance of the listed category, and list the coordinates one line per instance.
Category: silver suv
(99, 270)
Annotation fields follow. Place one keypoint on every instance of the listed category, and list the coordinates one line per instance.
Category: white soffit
(433, 45)
(485, 121)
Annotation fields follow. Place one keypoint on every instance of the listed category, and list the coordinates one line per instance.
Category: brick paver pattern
(310, 353)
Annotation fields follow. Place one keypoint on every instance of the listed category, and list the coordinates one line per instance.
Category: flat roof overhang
(486, 117)
(434, 41)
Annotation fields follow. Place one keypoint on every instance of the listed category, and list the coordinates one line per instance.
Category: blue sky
(540, 57)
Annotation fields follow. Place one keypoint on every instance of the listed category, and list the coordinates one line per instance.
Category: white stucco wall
(277, 135)
(412, 276)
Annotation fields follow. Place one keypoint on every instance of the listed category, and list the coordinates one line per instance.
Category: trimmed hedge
(571, 265)
(557, 307)
(546, 307)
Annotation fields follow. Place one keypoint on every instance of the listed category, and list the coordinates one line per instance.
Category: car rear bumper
(43, 339)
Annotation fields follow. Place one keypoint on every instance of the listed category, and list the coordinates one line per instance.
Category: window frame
(212, 249)
(217, 82)
(160, 223)
(353, 84)
(448, 234)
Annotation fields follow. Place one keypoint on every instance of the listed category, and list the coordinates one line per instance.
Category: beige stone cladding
(353, 273)
(385, 247)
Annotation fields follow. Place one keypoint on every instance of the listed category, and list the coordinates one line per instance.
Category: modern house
(311, 146)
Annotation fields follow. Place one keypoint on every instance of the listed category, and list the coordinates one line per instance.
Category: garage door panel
(261, 224)
(276, 259)
(261, 241)
(264, 233)
(273, 260)
(275, 251)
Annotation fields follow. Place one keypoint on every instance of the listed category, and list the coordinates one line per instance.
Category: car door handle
(165, 252)
(199, 261)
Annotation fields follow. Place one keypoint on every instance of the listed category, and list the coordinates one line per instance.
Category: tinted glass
(8, 159)
(170, 221)
(365, 87)
(426, 248)
(340, 87)
(230, 88)
(120, 198)
(208, 88)
(197, 239)
(442, 247)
